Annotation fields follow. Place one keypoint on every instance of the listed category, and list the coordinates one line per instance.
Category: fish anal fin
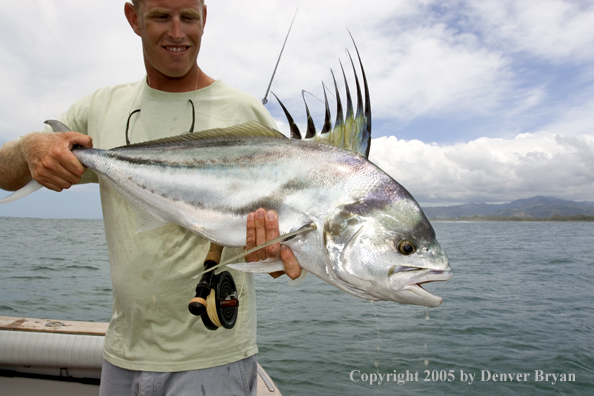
(266, 267)
(259, 267)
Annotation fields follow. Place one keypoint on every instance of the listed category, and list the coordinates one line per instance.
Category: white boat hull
(61, 358)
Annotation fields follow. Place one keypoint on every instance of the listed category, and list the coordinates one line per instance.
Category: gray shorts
(239, 378)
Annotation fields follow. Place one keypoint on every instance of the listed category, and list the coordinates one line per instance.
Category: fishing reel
(216, 300)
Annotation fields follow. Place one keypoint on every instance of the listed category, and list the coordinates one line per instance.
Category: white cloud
(491, 169)
(452, 59)
(557, 30)
(430, 72)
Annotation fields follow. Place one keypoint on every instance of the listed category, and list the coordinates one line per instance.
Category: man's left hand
(262, 226)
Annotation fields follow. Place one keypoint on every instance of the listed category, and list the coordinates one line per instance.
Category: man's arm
(45, 157)
(262, 226)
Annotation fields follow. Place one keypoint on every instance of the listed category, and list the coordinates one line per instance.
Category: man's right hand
(50, 160)
(262, 226)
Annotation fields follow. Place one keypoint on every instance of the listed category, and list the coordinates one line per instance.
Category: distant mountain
(540, 207)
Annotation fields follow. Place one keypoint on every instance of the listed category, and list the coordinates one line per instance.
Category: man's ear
(132, 17)
(204, 12)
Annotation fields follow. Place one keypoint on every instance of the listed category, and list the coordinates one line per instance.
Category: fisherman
(153, 342)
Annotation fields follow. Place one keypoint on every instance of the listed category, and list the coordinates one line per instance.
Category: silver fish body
(371, 238)
(363, 217)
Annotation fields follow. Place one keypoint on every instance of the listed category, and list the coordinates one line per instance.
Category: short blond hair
(137, 3)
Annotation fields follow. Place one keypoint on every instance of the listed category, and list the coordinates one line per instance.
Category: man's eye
(190, 18)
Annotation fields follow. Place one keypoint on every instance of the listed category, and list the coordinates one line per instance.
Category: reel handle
(197, 305)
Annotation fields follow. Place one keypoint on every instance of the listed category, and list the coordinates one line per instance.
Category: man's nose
(175, 30)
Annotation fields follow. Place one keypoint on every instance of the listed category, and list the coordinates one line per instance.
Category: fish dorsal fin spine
(248, 129)
(351, 131)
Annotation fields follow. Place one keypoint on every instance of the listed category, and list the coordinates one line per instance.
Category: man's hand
(50, 160)
(262, 226)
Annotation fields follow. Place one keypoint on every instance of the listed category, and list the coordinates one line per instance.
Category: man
(153, 345)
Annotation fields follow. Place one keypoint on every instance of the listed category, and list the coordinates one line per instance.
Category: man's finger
(271, 233)
(79, 139)
(51, 186)
(50, 159)
(277, 274)
(69, 161)
(52, 171)
(292, 267)
(260, 233)
(250, 241)
(72, 167)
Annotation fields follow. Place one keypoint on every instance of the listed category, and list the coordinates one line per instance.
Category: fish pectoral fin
(260, 267)
(266, 267)
(29, 188)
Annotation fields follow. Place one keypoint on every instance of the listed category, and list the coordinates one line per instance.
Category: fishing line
(379, 338)
(281, 238)
(303, 92)
(242, 283)
(265, 100)
(211, 308)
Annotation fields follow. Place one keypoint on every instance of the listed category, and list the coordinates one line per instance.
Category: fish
(364, 233)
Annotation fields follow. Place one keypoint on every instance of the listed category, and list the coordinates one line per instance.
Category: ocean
(517, 317)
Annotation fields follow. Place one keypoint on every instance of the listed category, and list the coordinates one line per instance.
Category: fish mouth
(428, 299)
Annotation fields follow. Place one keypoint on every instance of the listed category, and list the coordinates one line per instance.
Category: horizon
(41, 212)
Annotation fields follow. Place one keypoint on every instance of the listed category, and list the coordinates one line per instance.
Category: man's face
(171, 32)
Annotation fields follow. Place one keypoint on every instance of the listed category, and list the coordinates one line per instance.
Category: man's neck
(192, 81)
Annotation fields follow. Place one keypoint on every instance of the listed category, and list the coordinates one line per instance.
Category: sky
(472, 101)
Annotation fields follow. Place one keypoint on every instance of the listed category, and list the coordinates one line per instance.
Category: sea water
(517, 317)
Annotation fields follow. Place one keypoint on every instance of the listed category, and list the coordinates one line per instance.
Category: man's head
(171, 32)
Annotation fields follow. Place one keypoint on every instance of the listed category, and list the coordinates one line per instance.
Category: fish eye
(406, 247)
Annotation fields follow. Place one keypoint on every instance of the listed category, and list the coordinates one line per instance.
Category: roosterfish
(350, 223)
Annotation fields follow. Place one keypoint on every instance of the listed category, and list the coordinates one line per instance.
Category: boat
(61, 358)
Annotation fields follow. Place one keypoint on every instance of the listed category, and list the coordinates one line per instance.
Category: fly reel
(216, 299)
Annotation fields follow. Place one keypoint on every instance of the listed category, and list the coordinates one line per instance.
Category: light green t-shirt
(151, 328)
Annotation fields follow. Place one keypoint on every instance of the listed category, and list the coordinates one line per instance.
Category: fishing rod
(265, 99)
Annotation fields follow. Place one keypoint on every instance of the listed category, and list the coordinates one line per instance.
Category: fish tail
(31, 187)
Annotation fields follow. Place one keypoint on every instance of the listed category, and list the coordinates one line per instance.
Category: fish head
(384, 251)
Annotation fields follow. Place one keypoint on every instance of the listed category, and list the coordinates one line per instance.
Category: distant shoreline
(555, 218)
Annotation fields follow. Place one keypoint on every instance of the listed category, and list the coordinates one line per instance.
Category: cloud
(490, 169)
(472, 76)
(458, 60)
(558, 31)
